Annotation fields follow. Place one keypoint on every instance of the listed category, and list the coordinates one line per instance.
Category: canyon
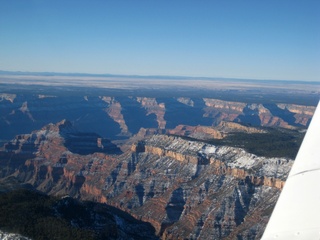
(185, 189)
(177, 162)
(120, 117)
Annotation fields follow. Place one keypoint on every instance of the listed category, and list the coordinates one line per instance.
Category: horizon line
(162, 77)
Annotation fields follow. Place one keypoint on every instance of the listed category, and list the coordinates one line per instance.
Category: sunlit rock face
(185, 189)
(223, 110)
(153, 107)
(302, 114)
(114, 110)
(270, 115)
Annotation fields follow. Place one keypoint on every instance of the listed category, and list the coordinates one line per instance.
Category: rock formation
(302, 114)
(114, 111)
(197, 132)
(223, 110)
(227, 127)
(187, 101)
(265, 117)
(152, 107)
(185, 189)
(24, 109)
(7, 96)
(258, 114)
(120, 117)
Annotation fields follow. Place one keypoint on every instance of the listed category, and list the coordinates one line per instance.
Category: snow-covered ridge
(230, 157)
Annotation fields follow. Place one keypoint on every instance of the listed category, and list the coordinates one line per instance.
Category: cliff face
(223, 110)
(208, 133)
(185, 189)
(266, 118)
(302, 114)
(269, 115)
(195, 190)
(227, 127)
(114, 111)
(152, 107)
(229, 159)
(198, 132)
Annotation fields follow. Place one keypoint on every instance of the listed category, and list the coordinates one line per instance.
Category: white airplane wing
(297, 212)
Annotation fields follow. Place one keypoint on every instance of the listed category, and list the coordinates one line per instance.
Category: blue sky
(257, 39)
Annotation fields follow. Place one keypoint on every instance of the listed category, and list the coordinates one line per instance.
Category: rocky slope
(185, 189)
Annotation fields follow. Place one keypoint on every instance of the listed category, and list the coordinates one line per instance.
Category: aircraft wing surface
(297, 212)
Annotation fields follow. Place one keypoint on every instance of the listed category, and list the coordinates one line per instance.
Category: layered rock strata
(120, 117)
(197, 132)
(153, 107)
(227, 160)
(227, 127)
(222, 110)
(185, 189)
(258, 114)
(302, 114)
(266, 118)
